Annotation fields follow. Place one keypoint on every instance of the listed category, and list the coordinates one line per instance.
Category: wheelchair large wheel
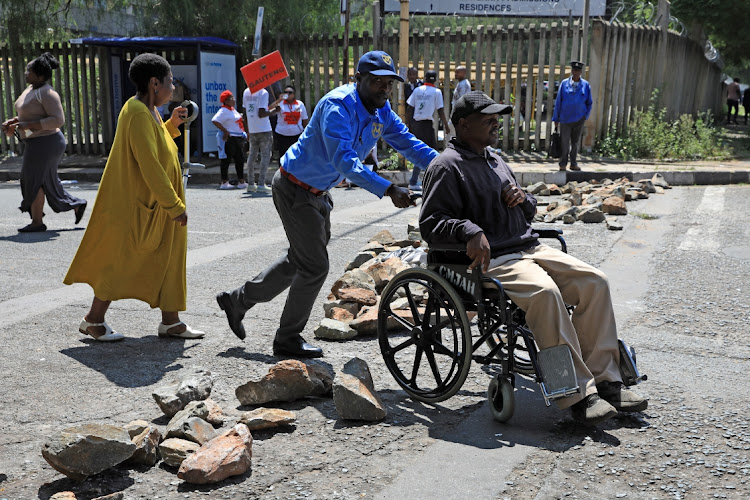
(501, 398)
(427, 345)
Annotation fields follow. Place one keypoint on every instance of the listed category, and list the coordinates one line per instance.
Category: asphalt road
(678, 273)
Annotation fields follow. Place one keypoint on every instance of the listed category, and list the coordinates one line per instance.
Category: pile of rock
(592, 201)
(192, 442)
(352, 306)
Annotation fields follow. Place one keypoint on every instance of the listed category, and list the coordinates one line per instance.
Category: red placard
(263, 72)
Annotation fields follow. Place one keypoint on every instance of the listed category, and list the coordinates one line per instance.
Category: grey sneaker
(592, 410)
(622, 398)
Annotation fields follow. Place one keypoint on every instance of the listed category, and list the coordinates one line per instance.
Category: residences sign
(517, 8)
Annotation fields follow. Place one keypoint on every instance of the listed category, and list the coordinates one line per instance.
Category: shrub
(651, 135)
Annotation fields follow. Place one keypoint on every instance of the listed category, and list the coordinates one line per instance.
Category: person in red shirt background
(291, 122)
(229, 121)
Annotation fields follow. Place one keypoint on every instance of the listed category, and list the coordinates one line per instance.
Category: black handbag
(555, 148)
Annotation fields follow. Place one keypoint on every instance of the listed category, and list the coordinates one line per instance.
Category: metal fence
(517, 64)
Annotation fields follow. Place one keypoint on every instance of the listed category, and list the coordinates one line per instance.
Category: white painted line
(22, 308)
(705, 237)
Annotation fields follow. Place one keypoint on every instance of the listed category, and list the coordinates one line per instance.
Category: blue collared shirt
(572, 103)
(339, 136)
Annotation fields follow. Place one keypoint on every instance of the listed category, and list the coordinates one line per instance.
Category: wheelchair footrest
(558, 373)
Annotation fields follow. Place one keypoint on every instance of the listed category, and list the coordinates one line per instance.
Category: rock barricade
(354, 393)
(84, 450)
(229, 454)
(267, 418)
(173, 397)
(287, 380)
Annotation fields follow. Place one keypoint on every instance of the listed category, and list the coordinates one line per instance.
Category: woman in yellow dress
(135, 245)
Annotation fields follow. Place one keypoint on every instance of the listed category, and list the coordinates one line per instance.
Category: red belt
(306, 187)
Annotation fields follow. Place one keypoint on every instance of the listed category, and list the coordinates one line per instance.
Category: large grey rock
(383, 272)
(354, 393)
(328, 307)
(384, 237)
(658, 180)
(359, 259)
(266, 418)
(195, 409)
(537, 188)
(287, 380)
(563, 207)
(590, 215)
(647, 185)
(135, 427)
(193, 429)
(174, 450)
(373, 246)
(614, 205)
(173, 397)
(147, 447)
(229, 454)
(84, 450)
(356, 278)
(332, 329)
(613, 224)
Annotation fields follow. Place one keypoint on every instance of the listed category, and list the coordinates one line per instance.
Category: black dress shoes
(297, 348)
(39, 228)
(235, 314)
(80, 211)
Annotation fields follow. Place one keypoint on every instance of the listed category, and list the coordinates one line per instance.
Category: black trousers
(233, 149)
(284, 142)
(733, 104)
(303, 267)
(570, 139)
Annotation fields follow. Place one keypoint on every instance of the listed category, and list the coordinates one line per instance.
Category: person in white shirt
(260, 135)
(421, 106)
(291, 122)
(229, 122)
(463, 86)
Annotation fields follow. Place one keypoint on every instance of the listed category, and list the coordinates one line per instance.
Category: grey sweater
(462, 197)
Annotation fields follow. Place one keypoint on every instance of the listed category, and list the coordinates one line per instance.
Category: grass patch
(651, 136)
(644, 216)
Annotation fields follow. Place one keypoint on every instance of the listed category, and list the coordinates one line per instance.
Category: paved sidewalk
(529, 168)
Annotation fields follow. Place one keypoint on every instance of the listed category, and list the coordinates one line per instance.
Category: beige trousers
(541, 281)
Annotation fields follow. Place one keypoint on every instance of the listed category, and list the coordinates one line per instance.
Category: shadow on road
(108, 482)
(137, 361)
(47, 235)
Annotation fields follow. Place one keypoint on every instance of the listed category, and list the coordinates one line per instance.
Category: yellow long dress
(132, 249)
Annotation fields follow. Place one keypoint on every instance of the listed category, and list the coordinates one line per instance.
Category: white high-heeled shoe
(189, 333)
(109, 334)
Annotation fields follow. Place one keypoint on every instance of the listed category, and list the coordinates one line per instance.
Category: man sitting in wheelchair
(471, 196)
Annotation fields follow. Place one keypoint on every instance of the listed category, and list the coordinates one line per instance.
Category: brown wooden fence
(515, 64)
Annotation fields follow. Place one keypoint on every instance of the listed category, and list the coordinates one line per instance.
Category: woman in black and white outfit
(291, 122)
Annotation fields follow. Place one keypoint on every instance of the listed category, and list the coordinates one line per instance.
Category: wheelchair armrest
(553, 233)
(547, 233)
(448, 247)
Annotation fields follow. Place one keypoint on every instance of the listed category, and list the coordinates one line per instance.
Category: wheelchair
(426, 319)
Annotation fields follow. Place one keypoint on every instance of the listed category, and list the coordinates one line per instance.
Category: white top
(231, 120)
(462, 87)
(252, 102)
(290, 118)
(425, 100)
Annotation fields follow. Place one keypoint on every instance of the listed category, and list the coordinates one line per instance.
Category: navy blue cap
(377, 62)
(576, 65)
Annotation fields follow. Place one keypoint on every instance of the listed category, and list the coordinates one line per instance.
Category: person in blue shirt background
(572, 109)
(345, 126)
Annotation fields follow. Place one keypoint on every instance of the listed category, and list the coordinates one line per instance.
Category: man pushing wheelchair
(471, 196)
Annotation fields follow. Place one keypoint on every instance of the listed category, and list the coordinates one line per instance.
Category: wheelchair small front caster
(501, 398)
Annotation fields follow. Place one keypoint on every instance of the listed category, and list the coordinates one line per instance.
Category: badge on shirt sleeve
(377, 130)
